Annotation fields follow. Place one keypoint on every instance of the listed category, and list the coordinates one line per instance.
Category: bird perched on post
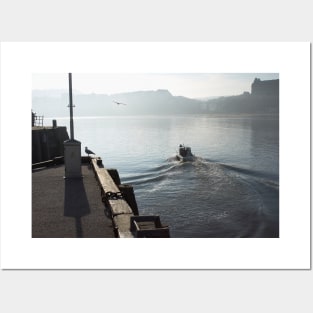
(88, 151)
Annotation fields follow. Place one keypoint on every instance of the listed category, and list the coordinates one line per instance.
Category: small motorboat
(184, 154)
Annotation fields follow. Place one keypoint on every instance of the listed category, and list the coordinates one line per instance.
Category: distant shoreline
(213, 115)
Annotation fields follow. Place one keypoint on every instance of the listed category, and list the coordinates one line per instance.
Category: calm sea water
(231, 190)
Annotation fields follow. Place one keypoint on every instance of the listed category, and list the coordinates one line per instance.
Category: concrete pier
(68, 208)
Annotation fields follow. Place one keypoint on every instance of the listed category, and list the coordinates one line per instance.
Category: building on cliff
(265, 87)
(263, 99)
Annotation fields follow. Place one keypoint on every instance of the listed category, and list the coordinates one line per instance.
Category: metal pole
(71, 105)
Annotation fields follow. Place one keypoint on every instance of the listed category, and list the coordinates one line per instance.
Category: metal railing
(37, 120)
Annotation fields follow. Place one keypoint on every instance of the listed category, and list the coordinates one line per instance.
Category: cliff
(264, 98)
(151, 102)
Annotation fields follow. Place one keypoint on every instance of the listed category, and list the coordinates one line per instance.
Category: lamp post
(72, 147)
(71, 105)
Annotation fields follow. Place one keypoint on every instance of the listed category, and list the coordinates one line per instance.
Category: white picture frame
(19, 60)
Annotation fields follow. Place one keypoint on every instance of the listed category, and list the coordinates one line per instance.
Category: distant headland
(262, 99)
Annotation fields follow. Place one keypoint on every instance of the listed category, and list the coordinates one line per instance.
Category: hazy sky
(193, 85)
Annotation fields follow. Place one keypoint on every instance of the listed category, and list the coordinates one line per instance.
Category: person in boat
(182, 150)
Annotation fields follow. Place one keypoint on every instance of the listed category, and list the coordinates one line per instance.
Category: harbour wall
(47, 143)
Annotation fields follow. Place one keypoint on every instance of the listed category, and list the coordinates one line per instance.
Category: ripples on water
(209, 199)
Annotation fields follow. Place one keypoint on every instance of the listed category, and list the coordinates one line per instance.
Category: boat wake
(219, 200)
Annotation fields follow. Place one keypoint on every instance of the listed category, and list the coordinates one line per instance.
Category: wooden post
(128, 193)
(115, 175)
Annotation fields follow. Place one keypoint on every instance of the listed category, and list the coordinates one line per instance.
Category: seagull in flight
(89, 151)
(118, 103)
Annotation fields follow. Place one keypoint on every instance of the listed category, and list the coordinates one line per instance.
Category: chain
(113, 195)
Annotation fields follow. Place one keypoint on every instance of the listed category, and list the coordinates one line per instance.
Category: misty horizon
(63, 92)
(192, 85)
